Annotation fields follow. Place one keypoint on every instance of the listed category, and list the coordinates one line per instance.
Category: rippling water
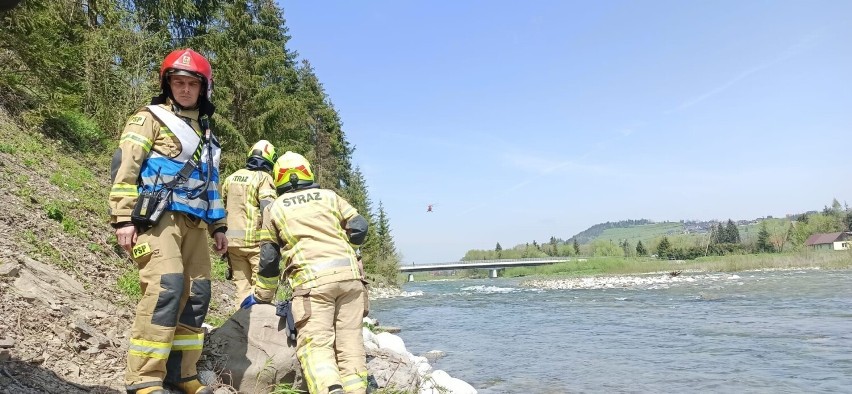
(763, 332)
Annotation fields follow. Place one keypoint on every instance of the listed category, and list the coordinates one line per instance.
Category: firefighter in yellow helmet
(164, 203)
(317, 229)
(246, 193)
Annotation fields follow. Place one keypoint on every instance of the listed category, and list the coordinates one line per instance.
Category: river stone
(369, 337)
(392, 370)
(440, 382)
(434, 355)
(391, 342)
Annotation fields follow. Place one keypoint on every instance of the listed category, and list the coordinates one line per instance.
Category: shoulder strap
(189, 138)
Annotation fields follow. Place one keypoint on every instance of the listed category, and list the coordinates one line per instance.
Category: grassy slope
(649, 232)
(65, 192)
(646, 233)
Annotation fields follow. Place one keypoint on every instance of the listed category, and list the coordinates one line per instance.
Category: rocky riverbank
(386, 353)
(392, 365)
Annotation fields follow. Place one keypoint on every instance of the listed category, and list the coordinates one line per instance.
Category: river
(758, 332)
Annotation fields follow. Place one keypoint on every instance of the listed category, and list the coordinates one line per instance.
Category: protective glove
(249, 301)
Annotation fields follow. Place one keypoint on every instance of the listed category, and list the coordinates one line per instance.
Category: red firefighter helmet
(187, 62)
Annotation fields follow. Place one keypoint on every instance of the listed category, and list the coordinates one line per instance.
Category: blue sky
(526, 120)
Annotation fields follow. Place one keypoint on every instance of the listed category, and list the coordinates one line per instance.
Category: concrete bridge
(493, 265)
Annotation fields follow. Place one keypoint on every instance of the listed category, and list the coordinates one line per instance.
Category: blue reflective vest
(189, 195)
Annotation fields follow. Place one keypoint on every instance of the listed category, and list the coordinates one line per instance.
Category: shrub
(54, 211)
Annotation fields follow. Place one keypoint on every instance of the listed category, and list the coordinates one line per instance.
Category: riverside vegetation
(607, 266)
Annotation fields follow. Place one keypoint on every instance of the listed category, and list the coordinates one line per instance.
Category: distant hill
(784, 233)
(646, 230)
(595, 231)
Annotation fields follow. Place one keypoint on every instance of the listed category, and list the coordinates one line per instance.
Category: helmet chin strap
(294, 180)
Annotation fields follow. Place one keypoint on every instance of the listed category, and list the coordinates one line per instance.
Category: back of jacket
(245, 193)
(310, 226)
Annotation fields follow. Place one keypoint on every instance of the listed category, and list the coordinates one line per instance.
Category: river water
(757, 332)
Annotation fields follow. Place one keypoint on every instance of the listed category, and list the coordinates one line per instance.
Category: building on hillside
(829, 241)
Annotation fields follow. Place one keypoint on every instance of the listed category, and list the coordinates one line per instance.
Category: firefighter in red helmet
(164, 203)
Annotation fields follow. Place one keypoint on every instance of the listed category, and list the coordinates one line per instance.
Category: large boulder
(389, 369)
(251, 352)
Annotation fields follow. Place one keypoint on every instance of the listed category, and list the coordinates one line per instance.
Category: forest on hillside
(75, 70)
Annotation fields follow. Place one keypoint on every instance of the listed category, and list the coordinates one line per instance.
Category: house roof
(824, 238)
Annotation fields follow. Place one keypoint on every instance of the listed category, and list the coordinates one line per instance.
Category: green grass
(444, 275)
(215, 320)
(591, 266)
(285, 388)
(733, 263)
(219, 270)
(43, 248)
(128, 284)
(7, 148)
(71, 173)
(646, 233)
(73, 179)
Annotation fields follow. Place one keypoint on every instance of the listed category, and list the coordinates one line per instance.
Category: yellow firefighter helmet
(292, 170)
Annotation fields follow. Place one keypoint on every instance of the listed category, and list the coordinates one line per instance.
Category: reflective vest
(189, 195)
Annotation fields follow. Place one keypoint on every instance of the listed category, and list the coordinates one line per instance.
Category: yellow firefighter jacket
(310, 226)
(246, 192)
(142, 134)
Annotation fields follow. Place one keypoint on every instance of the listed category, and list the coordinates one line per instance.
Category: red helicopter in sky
(429, 207)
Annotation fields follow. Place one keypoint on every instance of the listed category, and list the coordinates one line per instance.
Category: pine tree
(256, 81)
(664, 248)
(640, 249)
(576, 247)
(732, 233)
(763, 244)
(387, 249)
(185, 21)
(356, 194)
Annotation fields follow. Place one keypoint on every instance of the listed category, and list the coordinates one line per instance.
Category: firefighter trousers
(244, 263)
(329, 343)
(174, 273)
